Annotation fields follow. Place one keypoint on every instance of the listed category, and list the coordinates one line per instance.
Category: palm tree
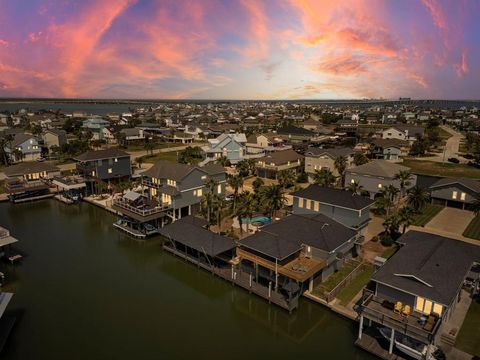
(241, 209)
(235, 182)
(341, 165)
(359, 159)
(324, 177)
(223, 160)
(257, 184)
(391, 192)
(207, 205)
(243, 168)
(272, 198)
(383, 203)
(406, 217)
(476, 207)
(417, 197)
(218, 205)
(149, 146)
(355, 187)
(391, 225)
(140, 161)
(286, 178)
(404, 176)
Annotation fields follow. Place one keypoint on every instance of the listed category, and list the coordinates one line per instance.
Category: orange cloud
(257, 48)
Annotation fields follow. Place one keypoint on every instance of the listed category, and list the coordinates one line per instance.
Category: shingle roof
(101, 154)
(29, 168)
(335, 197)
(333, 153)
(389, 143)
(286, 236)
(164, 169)
(429, 259)
(21, 138)
(281, 157)
(472, 184)
(382, 168)
(190, 231)
(293, 130)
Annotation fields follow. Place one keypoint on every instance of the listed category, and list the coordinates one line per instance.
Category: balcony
(374, 308)
(20, 186)
(144, 211)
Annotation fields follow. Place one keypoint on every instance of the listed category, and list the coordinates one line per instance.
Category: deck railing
(125, 204)
(23, 185)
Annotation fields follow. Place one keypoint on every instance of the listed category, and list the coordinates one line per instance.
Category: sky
(245, 49)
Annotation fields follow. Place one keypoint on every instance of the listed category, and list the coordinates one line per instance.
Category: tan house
(320, 159)
(54, 138)
(269, 165)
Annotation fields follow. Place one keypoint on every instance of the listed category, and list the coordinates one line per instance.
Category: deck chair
(406, 310)
(398, 307)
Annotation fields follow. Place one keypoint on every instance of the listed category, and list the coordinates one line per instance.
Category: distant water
(97, 109)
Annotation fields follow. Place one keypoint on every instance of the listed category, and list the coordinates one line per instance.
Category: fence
(329, 296)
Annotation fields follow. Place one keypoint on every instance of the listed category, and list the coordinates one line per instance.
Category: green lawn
(171, 155)
(440, 169)
(337, 277)
(473, 229)
(347, 294)
(389, 252)
(428, 213)
(468, 338)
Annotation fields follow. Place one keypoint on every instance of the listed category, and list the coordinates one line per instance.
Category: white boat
(411, 347)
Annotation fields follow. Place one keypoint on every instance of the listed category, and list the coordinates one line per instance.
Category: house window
(352, 181)
(379, 186)
(204, 177)
(308, 204)
(437, 308)
(300, 202)
(171, 182)
(316, 206)
(198, 192)
(219, 189)
(427, 309)
(153, 191)
(93, 173)
(110, 170)
(116, 159)
(454, 195)
(462, 196)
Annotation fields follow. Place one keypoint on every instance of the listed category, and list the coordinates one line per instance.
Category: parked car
(229, 197)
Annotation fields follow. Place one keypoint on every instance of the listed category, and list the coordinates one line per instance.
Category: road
(451, 147)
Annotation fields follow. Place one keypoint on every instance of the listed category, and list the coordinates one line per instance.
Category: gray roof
(425, 258)
(412, 130)
(471, 184)
(380, 168)
(287, 235)
(333, 153)
(389, 143)
(281, 157)
(29, 167)
(20, 139)
(164, 169)
(335, 197)
(191, 232)
(101, 154)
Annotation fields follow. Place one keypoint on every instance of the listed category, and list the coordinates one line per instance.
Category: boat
(411, 347)
(150, 229)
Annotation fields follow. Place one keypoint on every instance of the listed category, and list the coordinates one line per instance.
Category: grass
(473, 229)
(171, 155)
(389, 252)
(357, 284)
(428, 212)
(337, 277)
(468, 338)
(439, 169)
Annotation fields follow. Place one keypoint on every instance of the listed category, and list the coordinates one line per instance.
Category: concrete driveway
(450, 221)
(451, 147)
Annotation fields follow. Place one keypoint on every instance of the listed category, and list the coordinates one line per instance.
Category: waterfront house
(29, 180)
(376, 175)
(232, 146)
(23, 147)
(416, 291)
(349, 209)
(54, 137)
(389, 149)
(296, 252)
(317, 159)
(104, 165)
(455, 192)
(172, 191)
(270, 165)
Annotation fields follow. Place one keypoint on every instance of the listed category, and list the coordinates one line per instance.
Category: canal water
(86, 291)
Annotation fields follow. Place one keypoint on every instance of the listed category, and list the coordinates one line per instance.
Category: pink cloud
(462, 68)
(3, 42)
(436, 12)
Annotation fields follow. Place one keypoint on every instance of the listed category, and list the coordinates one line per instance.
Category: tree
(248, 204)
(223, 160)
(359, 159)
(149, 146)
(286, 178)
(341, 165)
(235, 182)
(140, 161)
(207, 205)
(404, 177)
(476, 207)
(18, 155)
(246, 167)
(190, 155)
(272, 198)
(383, 204)
(391, 192)
(391, 225)
(324, 177)
(257, 184)
(417, 197)
(406, 217)
(355, 187)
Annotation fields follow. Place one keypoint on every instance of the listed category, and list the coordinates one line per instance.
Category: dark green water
(86, 291)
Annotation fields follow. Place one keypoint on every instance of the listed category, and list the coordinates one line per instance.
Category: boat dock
(33, 198)
(63, 199)
(241, 279)
(135, 233)
(369, 343)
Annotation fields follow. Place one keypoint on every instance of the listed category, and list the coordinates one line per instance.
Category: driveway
(451, 147)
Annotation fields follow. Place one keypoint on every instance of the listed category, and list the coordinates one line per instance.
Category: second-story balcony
(16, 186)
(141, 210)
(418, 326)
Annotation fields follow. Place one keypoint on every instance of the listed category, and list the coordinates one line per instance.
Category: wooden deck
(241, 279)
(130, 231)
(371, 344)
(311, 266)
